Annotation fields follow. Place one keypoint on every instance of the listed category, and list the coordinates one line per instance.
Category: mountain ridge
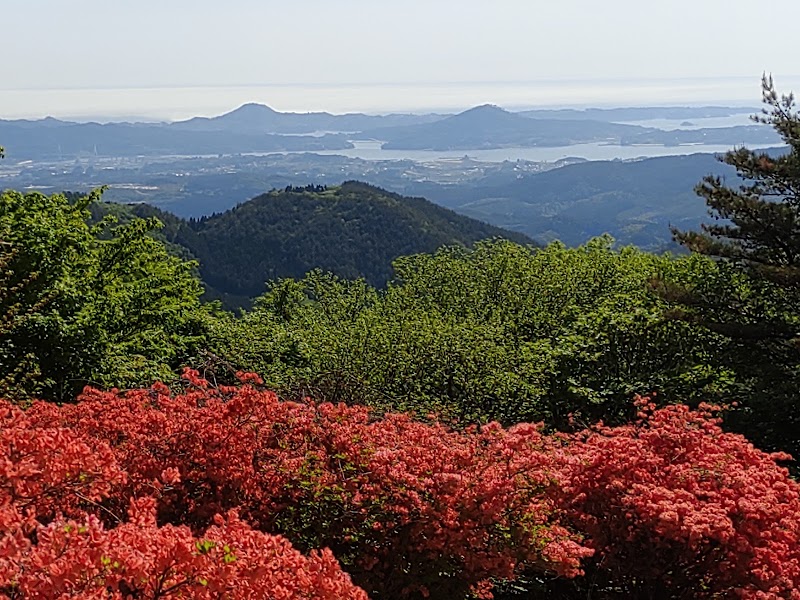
(258, 128)
(255, 117)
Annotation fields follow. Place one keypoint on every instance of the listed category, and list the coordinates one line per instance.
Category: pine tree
(754, 297)
(758, 222)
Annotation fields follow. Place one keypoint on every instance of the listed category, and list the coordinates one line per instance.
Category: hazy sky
(102, 44)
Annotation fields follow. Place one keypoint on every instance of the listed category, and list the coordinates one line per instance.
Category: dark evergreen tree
(755, 302)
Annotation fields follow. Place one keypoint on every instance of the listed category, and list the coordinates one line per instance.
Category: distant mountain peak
(486, 114)
(250, 115)
(252, 108)
(486, 109)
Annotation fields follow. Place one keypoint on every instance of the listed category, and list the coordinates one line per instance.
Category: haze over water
(176, 103)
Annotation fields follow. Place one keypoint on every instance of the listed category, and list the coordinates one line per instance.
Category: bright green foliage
(78, 309)
(499, 332)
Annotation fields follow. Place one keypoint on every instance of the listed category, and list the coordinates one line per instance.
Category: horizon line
(354, 84)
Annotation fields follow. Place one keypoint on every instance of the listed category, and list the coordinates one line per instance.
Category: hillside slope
(635, 201)
(354, 230)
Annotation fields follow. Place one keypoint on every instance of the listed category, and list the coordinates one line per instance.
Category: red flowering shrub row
(155, 495)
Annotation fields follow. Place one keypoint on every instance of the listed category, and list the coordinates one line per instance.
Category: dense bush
(407, 507)
(675, 508)
(667, 507)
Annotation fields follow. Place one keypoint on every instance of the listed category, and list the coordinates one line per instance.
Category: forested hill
(354, 230)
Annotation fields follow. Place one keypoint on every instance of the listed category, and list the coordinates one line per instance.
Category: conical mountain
(248, 118)
(255, 118)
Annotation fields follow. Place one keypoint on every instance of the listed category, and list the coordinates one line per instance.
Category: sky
(169, 58)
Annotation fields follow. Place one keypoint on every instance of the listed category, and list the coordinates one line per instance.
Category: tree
(79, 305)
(760, 228)
(755, 237)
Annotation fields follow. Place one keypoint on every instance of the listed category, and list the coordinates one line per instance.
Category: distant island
(493, 127)
(258, 118)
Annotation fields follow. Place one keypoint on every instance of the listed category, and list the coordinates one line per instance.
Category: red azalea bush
(138, 559)
(53, 545)
(677, 508)
(667, 507)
